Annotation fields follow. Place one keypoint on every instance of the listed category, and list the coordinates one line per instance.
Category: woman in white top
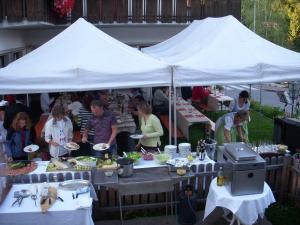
(242, 103)
(58, 132)
(229, 126)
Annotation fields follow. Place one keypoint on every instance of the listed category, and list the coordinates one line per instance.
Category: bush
(267, 110)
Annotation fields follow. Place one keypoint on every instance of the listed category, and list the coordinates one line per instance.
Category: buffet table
(70, 211)
(245, 208)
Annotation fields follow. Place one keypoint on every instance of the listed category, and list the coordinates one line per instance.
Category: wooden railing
(293, 188)
(120, 11)
(282, 177)
(277, 176)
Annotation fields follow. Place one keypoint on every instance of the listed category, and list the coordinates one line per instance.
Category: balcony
(26, 12)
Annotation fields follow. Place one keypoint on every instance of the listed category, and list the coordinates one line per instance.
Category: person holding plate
(58, 132)
(150, 126)
(18, 136)
(104, 124)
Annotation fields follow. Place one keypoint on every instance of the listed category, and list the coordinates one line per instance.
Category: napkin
(83, 203)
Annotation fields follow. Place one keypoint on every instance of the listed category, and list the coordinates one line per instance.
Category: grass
(283, 214)
(260, 129)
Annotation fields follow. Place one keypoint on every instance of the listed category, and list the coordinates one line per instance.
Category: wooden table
(216, 100)
(188, 115)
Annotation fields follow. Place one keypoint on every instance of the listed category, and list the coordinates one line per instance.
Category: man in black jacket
(12, 110)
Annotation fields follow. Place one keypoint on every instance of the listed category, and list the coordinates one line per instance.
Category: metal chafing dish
(244, 170)
(74, 184)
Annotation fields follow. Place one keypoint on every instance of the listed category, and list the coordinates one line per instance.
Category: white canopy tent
(224, 51)
(82, 58)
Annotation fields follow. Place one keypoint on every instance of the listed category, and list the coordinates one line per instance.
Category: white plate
(137, 136)
(31, 148)
(101, 147)
(71, 148)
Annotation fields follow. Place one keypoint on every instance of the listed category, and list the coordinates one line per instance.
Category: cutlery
(158, 150)
(17, 196)
(59, 198)
(34, 197)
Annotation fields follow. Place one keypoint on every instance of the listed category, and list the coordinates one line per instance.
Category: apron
(219, 133)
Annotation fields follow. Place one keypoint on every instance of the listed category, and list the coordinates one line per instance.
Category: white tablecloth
(71, 211)
(246, 208)
(152, 163)
(214, 100)
(188, 115)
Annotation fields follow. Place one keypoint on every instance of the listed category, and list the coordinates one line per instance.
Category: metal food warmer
(244, 169)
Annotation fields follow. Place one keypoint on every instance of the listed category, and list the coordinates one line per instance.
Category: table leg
(166, 204)
(120, 207)
(234, 219)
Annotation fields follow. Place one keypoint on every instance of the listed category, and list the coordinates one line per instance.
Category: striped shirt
(83, 116)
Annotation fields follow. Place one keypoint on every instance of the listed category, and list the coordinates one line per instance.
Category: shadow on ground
(214, 219)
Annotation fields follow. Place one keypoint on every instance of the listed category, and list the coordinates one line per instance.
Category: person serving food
(229, 126)
(150, 126)
(104, 124)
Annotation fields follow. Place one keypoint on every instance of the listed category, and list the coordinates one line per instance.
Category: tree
(276, 20)
(293, 11)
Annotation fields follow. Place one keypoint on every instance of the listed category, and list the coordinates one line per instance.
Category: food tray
(28, 168)
(73, 185)
(69, 167)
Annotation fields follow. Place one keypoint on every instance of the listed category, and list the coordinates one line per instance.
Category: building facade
(27, 24)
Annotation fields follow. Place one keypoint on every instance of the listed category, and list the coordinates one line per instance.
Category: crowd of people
(87, 112)
(90, 113)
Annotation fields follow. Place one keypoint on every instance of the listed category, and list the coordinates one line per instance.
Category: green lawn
(260, 129)
(283, 214)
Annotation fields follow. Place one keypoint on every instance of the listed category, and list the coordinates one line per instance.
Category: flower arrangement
(63, 7)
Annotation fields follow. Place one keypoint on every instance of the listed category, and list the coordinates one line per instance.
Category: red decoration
(63, 7)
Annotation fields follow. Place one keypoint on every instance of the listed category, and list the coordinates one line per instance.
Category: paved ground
(214, 219)
(267, 95)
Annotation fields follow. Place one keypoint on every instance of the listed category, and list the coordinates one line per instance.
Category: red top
(199, 93)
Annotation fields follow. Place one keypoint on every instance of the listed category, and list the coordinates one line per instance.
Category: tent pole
(27, 100)
(170, 115)
(260, 94)
(250, 89)
(175, 116)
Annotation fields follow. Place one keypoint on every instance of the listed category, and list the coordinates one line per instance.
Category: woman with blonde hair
(19, 136)
(58, 131)
(150, 126)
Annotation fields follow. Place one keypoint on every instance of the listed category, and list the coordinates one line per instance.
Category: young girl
(19, 136)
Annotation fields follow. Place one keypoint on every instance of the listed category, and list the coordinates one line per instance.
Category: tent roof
(82, 58)
(223, 51)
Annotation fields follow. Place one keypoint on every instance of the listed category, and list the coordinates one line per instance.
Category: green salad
(162, 158)
(86, 159)
(134, 155)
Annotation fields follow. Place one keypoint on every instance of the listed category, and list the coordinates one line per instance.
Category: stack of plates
(184, 149)
(171, 150)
